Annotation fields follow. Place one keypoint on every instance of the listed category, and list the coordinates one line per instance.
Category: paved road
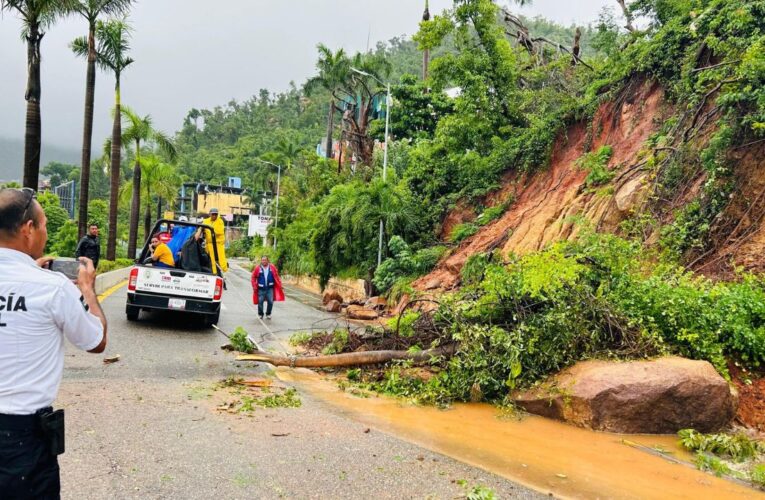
(149, 425)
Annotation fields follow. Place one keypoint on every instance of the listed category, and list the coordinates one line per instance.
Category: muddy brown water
(542, 454)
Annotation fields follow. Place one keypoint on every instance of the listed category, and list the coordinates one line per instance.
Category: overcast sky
(197, 53)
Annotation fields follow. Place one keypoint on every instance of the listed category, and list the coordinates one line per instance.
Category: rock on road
(147, 425)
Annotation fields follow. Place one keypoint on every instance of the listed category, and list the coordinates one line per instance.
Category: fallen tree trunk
(348, 358)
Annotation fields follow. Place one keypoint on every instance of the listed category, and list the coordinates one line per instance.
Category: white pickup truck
(189, 287)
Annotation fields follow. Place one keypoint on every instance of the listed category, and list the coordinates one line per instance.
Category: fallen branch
(705, 68)
(349, 358)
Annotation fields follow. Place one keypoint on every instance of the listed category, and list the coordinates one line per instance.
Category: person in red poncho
(266, 286)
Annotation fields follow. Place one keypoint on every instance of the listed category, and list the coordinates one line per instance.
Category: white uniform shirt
(38, 308)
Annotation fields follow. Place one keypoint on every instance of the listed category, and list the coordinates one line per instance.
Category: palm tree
(36, 16)
(287, 150)
(160, 179)
(140, 131)
(91, 10)
(361, 88)
(334, 70)
(111, 54)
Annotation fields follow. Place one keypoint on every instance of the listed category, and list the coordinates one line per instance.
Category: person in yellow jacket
(219, 227)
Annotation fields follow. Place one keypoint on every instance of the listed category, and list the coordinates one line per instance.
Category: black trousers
(27, 468)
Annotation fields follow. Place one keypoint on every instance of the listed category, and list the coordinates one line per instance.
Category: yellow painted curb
(110, 291)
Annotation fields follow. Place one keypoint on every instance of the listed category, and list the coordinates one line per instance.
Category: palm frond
(165, 145)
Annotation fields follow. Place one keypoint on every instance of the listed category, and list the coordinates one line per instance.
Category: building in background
(197, 198)
(238, 207)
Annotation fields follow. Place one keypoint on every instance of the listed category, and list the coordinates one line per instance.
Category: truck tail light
(133, 279)
(218, 288)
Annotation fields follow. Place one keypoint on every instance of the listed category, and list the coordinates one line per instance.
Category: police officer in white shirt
(38, 309)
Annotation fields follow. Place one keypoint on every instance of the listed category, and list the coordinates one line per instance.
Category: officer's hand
(87, 273)
(44, 262)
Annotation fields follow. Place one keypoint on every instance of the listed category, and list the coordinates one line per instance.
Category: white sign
(258, 225)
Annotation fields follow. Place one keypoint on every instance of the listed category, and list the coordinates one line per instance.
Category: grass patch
(287, 399)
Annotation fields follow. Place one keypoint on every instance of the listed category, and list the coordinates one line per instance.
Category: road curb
(108, 280)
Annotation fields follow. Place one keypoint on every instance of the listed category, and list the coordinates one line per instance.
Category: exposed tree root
(349, 358)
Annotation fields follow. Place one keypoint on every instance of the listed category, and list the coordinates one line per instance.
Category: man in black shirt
(90, 246)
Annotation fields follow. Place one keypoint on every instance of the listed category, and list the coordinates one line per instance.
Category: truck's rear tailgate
(175, 282)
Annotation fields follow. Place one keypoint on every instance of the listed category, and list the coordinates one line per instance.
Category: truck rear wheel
(132, 312)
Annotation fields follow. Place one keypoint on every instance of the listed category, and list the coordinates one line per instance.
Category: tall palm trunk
(111, 244)
(147, 213)
(33, 132)
(330, 127)
(135, 205)
(87, 132)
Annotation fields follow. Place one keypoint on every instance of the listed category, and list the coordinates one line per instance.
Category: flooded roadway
(543, 454)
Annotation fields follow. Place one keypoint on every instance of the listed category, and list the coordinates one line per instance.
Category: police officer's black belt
(21, 422)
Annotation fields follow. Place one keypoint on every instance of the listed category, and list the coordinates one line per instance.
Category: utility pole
(426, 52)
(278, 188)
(388, 102)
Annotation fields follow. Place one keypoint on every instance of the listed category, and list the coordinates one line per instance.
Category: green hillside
(12, 157)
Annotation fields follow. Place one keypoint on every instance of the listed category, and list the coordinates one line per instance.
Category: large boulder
(333, 306)
(376, 303)
(359, 312)
(330, 296)
(658, 396)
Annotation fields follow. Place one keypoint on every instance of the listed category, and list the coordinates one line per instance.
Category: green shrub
(256, 252)
(404, 264)
(300, 338)
(712, 464)
(493, 213)
(597, 163)
(339, 342)
(463, 231)
(65, 240)
(402, 286)
(404, 323)
(104, 266)
(239, 248)
(737, 447)
(757, 475)
(474, 268)
(240, 341)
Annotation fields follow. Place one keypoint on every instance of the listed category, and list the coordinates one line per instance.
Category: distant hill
(12, 157)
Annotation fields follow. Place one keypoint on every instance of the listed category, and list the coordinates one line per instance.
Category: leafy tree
(91, 10)
(36, 17)
(98, 213)
(60, 173)
(112, 46)
(65, 240)
(416, 112)
(140, 133)
(55, 214)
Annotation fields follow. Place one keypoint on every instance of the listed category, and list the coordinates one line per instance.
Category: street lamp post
(385, 153)
(278, 187)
